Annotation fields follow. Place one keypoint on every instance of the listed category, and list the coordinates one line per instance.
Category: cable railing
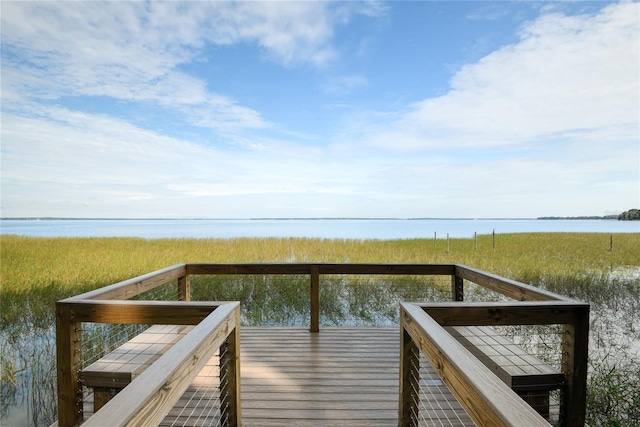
(561, 403)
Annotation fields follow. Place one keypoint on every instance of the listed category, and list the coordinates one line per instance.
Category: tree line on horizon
(630, 215)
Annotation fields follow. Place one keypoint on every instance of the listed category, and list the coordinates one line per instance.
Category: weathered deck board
(337, 377)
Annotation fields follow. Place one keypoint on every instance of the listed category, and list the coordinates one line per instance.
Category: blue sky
(320, 109)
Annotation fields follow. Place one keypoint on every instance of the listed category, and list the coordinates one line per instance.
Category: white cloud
(133, 50)
(94, 165)
(345, 84)
(566, 74)
(533, 126)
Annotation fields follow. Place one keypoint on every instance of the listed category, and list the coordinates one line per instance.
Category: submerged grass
(36, 272)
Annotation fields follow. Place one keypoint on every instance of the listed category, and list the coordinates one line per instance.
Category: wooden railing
(148, 398)
(112, 305)
(550, 309)
(157, 389)
(483, 395)
(487, 400)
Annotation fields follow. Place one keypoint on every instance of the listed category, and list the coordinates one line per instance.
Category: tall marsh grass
(50, 268)
(36, 272)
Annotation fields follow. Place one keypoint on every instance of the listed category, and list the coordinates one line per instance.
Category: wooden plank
(69, 363)
(363, 390)
(184, 288)
(314, 323)
(147, 400)
(486, 398)
(575, 350)
(337, 377)
(118, 368)
(409, 360)
(141, 312)
(325, 378)
(388, 269)
(248, 268)
(517, 368)
(498, 313)
(511, 288)
(457, 288)
(323, 268)
(230, 380)
(132, 287)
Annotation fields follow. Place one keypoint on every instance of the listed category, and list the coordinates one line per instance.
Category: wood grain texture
(118, 368)
(575, 350)
(501, 313)
(511, 288)
(337, 377)
(141, 312)
(323, 268)
(314, 296)
(514, 366)
(132, 287)
(484, 396)
(69, 364)
(148, 399)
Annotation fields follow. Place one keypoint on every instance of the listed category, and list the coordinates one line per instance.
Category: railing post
(315, 299)
(230, 377)
(409, 367)
(457, 288)
(184, 288)
(575, 344)
(69, 364)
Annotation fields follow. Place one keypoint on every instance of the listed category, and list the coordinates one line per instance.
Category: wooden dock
(334, 377)
(337, 377)
(311, 375)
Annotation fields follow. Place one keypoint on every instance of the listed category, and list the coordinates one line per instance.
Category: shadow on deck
(338, 377)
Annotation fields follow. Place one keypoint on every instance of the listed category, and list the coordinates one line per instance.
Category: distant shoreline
(606, 217)
(578, 217)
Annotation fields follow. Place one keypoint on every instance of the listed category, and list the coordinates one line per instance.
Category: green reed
(36, 272)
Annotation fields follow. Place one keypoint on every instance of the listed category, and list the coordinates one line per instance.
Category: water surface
(382, 229)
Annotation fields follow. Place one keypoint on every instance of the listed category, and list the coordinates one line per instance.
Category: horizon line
(25, 218)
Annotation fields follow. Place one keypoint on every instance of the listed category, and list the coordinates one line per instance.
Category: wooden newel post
(184, 288)
(575, 350)
(409, 367)
(457, 288)
(315, 299)
(69, 364)
(230, 377)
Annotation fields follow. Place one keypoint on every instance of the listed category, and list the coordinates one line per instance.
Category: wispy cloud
(535, 115)
(133, 50)
(345, 84)
(567, 74)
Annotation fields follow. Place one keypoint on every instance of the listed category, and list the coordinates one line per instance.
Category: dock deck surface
(337, 377)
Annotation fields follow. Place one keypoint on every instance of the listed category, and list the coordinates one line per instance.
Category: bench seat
(114, 371)
(526, 374)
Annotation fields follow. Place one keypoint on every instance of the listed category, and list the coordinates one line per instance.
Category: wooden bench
(528, 376)
(116, 370)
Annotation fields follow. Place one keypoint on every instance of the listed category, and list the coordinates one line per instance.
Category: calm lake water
(383, 229)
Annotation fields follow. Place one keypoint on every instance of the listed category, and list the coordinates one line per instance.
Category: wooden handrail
(504, 313)
(487, 400)
(142, 312)
(111, 305)
(149, 397)
(71, 313)
(572, 315)
(511, 288)
(135, 286)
